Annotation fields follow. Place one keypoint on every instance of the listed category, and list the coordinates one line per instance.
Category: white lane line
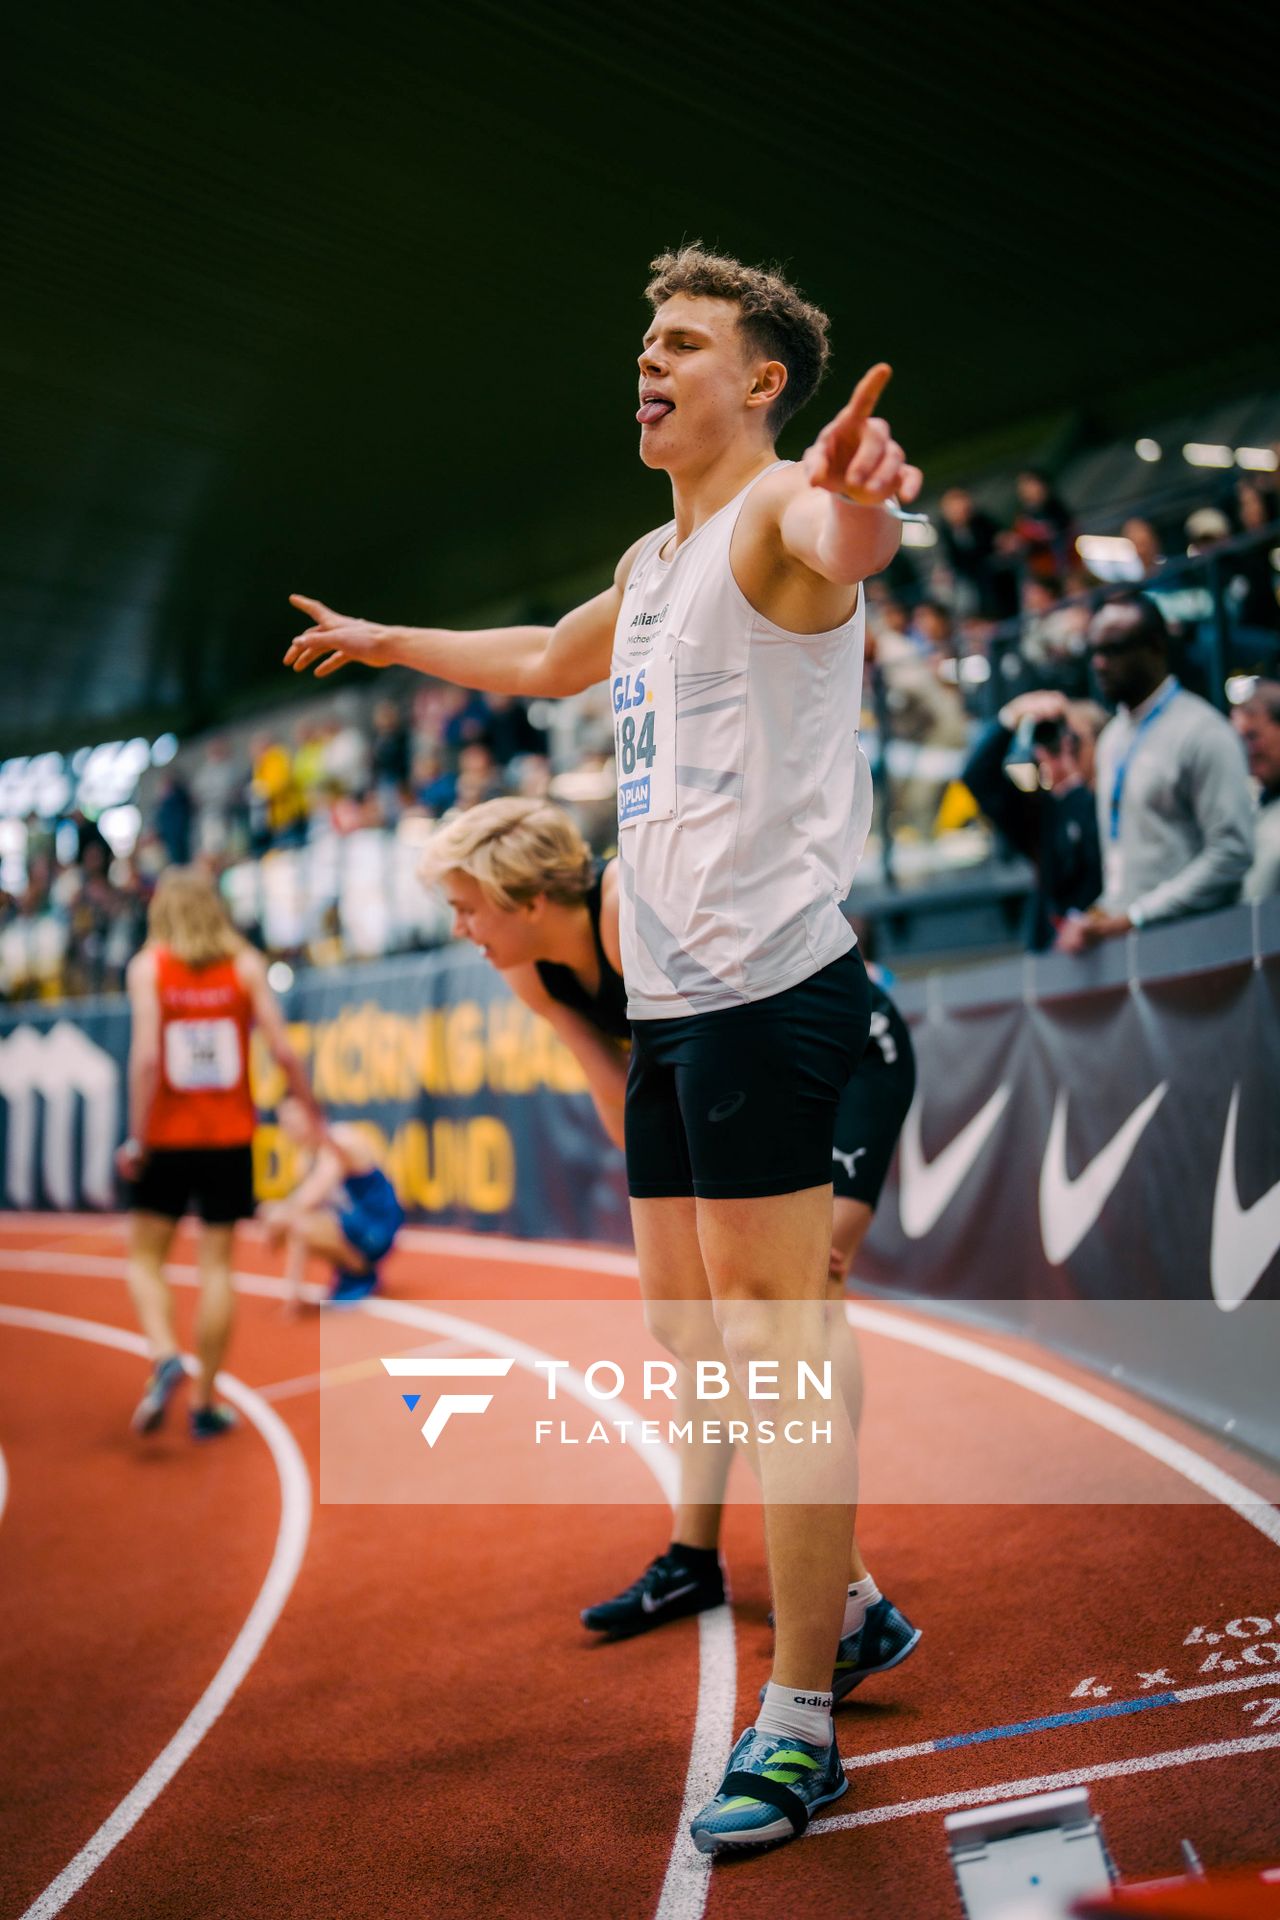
(687, 1881)
(291, 1541)
(1139, 1433)
(335, 1376)
(688, 1876)
(1181, 1696)
(1049, 1782)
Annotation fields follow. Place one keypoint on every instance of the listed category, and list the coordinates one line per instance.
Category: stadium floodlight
(1031, 1856)
(1148, 449)
(1258, 459)
(1201, 453)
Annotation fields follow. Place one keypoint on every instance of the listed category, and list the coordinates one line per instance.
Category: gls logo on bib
(643, 736)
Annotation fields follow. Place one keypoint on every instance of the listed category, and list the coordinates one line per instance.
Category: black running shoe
(666, 1590)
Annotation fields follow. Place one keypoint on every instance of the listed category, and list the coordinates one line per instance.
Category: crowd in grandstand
(970, 642)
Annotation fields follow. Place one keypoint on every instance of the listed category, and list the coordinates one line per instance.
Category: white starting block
(1028, 1859)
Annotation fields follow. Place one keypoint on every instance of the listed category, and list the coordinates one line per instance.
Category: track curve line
(286, 1561)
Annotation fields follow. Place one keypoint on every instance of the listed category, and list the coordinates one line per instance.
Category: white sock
(862, 1594)
(796, 1714)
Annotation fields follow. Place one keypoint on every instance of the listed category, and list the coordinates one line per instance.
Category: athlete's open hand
(856, 456)
(335, 639)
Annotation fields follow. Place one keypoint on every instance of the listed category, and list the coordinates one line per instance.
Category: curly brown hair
(774, 317)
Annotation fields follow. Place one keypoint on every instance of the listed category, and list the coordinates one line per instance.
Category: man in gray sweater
(1258, 721)
(1175, 816)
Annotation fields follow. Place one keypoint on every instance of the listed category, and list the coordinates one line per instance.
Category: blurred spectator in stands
(530, 776)
(969, 539)
(173, 815)
(1041, 540)
(1043, 803)
(275, 803)
(1250, 584)
(87, 833)
(1258, 723)
(932, 630)
(216, 788)
(1175, 815)
(39, 838)
(1205, 529)
(309, 771)
(510, 730)
(429, 772)
(390, 754)
(1145, 541)
(478, 778)
(469, 720)
(1053, 638)
(346, 757)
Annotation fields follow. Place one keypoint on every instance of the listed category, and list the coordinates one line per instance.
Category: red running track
(411, 1719)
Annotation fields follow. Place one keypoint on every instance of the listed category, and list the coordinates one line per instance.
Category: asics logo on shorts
(725, 1109)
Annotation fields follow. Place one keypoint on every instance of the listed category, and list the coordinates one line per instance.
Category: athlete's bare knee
(686, 1328)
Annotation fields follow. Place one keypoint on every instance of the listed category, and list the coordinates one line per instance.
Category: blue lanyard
(1117, 785)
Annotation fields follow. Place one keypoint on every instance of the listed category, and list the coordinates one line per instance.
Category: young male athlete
(196, 989)
(733, 641)
(524, 888)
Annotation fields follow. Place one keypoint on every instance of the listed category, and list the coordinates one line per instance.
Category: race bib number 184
(644, 707)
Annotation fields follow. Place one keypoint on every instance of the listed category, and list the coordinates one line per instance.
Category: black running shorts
(873, 1106)
(214, 1182)
(742, 1102)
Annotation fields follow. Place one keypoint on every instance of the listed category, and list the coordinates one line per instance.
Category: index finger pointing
(868, 391)
(316, 608)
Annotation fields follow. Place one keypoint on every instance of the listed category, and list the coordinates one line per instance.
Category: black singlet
(606, 1009)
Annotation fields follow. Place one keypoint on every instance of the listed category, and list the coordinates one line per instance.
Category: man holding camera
(1031, 772)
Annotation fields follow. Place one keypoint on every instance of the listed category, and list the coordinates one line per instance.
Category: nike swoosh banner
(1094, 1157)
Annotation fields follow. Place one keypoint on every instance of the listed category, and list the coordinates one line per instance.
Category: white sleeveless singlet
(744, 799)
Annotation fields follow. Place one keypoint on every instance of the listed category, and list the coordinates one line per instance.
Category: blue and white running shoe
(772, 1786)
(884, 1639)
(165, 1380)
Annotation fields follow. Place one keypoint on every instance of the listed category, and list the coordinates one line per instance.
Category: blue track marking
(1111, 1711)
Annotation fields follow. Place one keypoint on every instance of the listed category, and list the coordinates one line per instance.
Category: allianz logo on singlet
(650, 619)
(633, 799)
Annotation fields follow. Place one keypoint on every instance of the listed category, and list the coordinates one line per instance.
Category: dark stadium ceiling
(345, 297)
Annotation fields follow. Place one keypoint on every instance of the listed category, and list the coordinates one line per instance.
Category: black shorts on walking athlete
(215, 1182)
(740, 1103)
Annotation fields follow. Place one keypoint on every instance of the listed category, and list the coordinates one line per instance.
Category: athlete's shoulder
(142, 970)
(249, 965)
(759, 525)
(626, 566)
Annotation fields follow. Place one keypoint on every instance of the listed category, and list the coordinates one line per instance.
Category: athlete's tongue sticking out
(653, 410)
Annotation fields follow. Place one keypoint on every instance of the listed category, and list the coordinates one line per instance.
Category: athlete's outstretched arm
(543, 661)
(835, 520)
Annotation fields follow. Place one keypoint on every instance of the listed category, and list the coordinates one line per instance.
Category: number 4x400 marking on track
(1246, 1627)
